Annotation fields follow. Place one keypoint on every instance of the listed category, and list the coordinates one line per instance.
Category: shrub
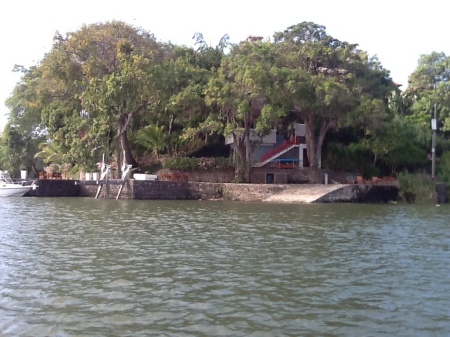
(205, 163)
(443, 167)
(181, 163)
(351, 158)
(416, 187)
(223, 163)
(192, 164)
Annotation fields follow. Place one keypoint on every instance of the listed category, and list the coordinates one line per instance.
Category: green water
(86, 267)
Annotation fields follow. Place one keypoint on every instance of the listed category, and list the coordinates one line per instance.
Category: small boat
(8, 188)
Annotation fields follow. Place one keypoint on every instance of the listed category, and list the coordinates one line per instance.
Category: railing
(286, 144)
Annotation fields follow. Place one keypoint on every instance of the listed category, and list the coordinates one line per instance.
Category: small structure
(277, 152)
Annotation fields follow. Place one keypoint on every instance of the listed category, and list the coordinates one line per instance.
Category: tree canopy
(111, 88)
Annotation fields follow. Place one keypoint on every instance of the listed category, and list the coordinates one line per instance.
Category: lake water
(86, 267)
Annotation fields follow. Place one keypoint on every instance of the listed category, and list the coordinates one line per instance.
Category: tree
(430, 85)
(24, 130)
(181, 79)
(152, 137)
(397, 144)
(89, 88)
(240, 96)
(328, 82)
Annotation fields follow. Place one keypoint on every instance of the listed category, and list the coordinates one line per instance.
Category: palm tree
(49, 154)
(153, 137)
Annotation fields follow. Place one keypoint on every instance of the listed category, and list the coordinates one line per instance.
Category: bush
(223, 163)
(192, 164)
(443, 167)
(352, 158)
(416, 187)
(181, 163)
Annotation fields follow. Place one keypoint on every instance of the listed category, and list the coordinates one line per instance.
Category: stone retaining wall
(108, 191)
(362, 194)
(160, 190)
(55, 188)
(213, 176)
(174, 190)
(205, 191)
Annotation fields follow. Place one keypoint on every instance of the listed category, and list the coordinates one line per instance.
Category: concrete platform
(303, 194)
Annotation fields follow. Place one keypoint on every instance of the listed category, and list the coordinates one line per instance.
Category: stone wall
(205, 191)
(109, 190)
(55, 188)
(138, 189)
(211, 176)
(160, 190)
(362, 194)
(259, 175)
(172, 190)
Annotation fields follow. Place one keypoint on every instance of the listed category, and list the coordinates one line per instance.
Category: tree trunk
(118, 158)
(310, 144)
(314, 143)
(169, 141)
(122, 135)
(240, 172)
(248, 151)
(127, 154)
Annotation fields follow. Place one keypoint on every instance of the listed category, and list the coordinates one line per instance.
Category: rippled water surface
(86, 267)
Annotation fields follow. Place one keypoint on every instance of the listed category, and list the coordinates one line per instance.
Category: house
(276, 151)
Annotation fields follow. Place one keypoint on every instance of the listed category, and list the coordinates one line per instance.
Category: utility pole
(433, 143)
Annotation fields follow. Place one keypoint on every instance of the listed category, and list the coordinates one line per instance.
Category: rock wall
(160, 190)
(179, 190)
(362, 194)
(55, 188)
(212, 176)
(205, 191)
(108, 191)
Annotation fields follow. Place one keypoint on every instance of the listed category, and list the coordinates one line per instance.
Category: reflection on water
(84, 267)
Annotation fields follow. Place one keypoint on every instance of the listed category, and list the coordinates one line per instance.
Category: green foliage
(416, 187)
(430, 85)
(242, 94)
(110, 87)
(193, 164)
(352, 158)
(181, 163)
(17, 147)
(152, 137)
(49, 154)
(443, 167)
(397, 144)
(327, 82)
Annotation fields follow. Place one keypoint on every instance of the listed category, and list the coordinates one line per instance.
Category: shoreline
(182, 190)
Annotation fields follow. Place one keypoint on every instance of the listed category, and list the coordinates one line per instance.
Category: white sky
(397, 31)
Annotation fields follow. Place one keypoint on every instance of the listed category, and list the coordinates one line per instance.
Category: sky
(396, 31)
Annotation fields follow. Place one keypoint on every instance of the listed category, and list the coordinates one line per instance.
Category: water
(85, 267)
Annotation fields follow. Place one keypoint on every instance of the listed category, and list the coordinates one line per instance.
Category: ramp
(303, 194)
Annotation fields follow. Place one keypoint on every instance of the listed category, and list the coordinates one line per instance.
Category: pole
(433, 144)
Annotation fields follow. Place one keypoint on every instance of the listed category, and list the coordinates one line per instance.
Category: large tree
(429, 87)
(240, 94)
(24, 130)
(90, 87)
(328, 82)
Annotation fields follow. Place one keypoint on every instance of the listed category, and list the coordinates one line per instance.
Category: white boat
(10, 189)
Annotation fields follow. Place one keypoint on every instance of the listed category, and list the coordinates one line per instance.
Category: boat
(8, 188)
